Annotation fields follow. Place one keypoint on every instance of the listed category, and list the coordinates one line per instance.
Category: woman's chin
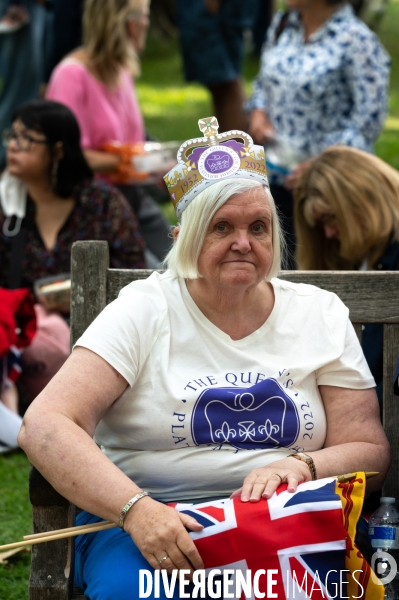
(14, 170)
(239, 278)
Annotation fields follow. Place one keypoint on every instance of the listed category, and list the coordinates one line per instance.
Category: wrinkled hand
(260, 128)
(263, 482)
(291, 180)
(159, 530)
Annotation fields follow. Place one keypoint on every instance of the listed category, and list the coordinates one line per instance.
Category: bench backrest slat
(370, 296)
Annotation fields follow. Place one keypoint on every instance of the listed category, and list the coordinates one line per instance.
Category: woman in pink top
(104, 113)
(95, 82)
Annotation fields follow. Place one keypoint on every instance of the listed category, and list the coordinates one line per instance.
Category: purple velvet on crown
(225, 160)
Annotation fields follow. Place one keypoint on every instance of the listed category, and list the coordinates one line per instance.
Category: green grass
(387, 146)
(171, 110)
(15, 522)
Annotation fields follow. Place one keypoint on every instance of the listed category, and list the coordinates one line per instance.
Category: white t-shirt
(203, 410)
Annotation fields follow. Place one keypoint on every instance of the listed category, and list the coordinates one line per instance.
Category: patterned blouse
(101, 213)
(331, 89)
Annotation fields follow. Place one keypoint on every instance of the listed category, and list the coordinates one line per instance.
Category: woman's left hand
(263, 482)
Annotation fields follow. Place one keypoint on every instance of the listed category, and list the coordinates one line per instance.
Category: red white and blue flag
(300, 536)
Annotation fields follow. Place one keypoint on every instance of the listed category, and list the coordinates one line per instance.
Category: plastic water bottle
(383, 530)
(384, 525)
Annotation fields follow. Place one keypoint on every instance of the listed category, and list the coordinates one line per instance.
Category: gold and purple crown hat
(212, 158)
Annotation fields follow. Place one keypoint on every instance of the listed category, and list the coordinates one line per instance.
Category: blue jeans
(107, 564)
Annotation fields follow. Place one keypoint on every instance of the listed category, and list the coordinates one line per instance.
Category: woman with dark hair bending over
(347, 218)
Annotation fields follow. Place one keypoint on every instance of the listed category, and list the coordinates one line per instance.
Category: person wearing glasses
(96, 82)
(48, 178)
(48, 200)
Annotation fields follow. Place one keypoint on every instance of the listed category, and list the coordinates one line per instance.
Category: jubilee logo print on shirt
(260, 416)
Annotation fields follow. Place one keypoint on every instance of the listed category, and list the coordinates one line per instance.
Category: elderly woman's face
(238, 247)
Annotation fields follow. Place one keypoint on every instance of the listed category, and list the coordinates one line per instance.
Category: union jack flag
(300, 536)
(10, 367)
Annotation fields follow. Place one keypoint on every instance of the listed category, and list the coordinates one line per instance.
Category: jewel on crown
(212, 158)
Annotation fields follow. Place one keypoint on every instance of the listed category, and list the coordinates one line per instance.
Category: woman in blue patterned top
(323, 80)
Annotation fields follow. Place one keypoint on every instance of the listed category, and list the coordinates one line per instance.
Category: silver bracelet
(128, 506)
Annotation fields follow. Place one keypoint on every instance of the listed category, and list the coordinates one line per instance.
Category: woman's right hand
(260, 128)
(159, 530)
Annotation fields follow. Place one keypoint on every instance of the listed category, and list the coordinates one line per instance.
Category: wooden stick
(348, 476)
(5, 555)
(56, 531)
(59, 536)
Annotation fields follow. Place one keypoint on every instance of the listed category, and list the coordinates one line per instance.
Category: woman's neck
(52, 212)
(237, 312)
(41, 193)
(315, 16)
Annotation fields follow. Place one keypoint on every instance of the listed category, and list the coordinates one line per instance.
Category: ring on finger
(281, 478)
(161, 560)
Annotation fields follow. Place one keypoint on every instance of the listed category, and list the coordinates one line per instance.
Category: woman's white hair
(182, 259)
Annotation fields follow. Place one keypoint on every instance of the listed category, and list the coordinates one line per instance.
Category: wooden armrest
(52, 563)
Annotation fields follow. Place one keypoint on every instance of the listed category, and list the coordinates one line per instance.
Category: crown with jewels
(207, 160)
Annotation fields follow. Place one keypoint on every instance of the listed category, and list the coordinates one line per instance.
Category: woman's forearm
(74, 465)
(71, 461)
(329, 462)
(102, 162)
(352, 457)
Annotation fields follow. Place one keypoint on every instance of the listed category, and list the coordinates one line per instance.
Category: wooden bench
(372, 297)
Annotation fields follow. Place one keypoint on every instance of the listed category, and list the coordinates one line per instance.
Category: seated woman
(346, 218)
(49, 183)
(217, 324)
(48, 200)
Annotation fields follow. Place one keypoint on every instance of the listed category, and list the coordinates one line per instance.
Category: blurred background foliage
(172, 108)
